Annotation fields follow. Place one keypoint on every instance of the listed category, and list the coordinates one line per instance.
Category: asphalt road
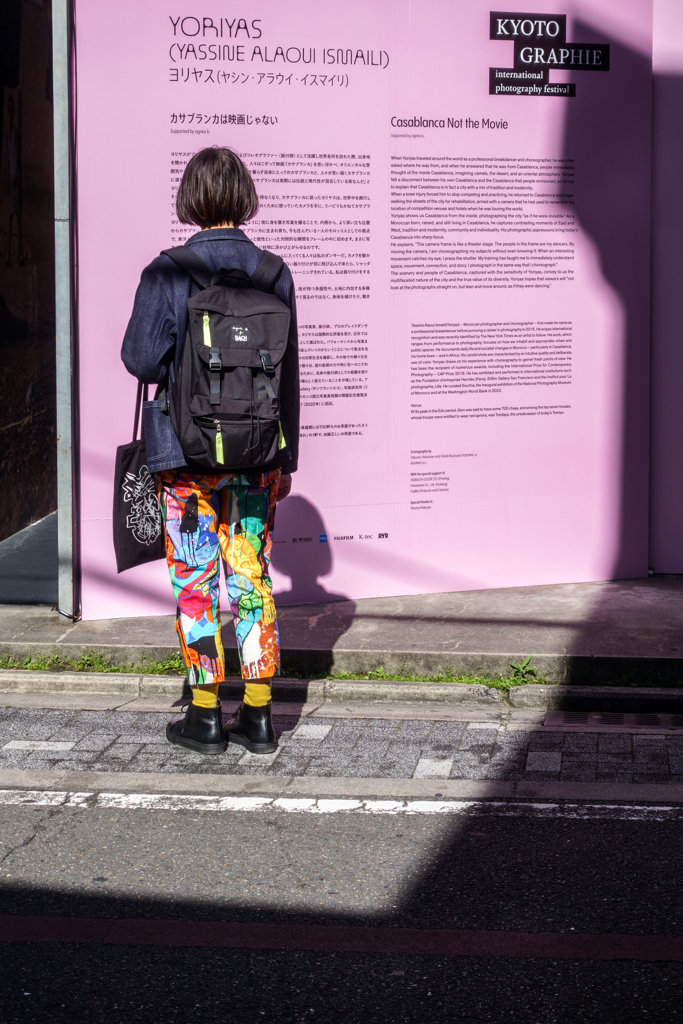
(615, 871)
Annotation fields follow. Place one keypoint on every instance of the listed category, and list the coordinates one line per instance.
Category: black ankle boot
(253, 729)
(200, 729)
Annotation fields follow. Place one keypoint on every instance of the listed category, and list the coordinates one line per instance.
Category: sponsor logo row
(324, 538)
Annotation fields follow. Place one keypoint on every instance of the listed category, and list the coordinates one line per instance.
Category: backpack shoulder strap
(188, 261)
(266, 274)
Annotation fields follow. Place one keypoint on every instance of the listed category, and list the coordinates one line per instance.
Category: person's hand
(285, 486)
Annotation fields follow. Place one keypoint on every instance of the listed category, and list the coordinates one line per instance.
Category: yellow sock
(205, 696)
(257, 694)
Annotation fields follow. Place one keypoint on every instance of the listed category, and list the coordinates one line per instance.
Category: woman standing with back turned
(211, 514)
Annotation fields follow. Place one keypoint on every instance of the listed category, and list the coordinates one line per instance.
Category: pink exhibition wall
(472, 274)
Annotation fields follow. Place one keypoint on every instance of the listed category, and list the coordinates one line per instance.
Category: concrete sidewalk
(575, 633)
(382, 750)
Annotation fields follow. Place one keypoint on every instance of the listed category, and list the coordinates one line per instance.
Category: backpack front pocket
(230, 442)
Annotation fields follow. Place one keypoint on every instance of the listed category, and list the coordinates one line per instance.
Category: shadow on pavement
(480, 872)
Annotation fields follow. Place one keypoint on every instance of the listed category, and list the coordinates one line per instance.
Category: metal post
(61, 57)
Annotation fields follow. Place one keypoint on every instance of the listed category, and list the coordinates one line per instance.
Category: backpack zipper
(220, 459)
(206, 329)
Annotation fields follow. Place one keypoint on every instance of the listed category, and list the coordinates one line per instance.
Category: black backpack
(225, 400)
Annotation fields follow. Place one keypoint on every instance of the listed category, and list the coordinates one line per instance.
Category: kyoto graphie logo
(145, 517)
(540, 45)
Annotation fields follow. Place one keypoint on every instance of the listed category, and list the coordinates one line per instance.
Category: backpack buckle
(215, 367)
(267, 362)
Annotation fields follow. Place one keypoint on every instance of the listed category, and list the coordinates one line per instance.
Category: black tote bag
(138, 528)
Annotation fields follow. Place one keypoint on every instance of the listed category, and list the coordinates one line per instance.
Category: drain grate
(614, 720)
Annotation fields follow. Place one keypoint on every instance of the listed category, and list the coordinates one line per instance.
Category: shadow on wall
(300, 553)
(308, 634)
(609, 112)
(666, 422)
(605, 120)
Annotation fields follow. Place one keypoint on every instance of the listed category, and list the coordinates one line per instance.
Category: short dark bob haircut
(216, 188)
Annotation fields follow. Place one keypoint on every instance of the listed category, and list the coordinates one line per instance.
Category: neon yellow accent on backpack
(219, 445)
(207, 330)
(281, 443)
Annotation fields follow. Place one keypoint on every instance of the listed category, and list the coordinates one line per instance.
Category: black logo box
(503, 82)
(551, 28)
(527, 30)
(570, 57)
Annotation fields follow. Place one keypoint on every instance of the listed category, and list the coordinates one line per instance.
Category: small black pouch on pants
(138, 528)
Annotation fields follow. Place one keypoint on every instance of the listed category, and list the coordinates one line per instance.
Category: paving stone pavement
(117, 741)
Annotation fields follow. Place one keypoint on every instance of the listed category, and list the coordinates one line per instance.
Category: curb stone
(259, 785)
(565, 669)
(306, 691)
(337, 691)
(596, 698)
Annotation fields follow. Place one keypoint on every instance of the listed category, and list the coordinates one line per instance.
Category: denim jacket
(153, 342)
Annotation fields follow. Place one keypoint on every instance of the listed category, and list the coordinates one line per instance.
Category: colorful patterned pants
(206, 518)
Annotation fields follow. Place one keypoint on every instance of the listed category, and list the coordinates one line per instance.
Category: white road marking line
(181, 802)
(333, 806)
(39, 798)
(384, 806)
(310, 805)
(434, 806)
(345, 806)
(433, 768)
(290, 804)
(78, 799)
(37, 745)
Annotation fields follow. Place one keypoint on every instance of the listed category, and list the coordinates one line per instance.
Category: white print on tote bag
(145, 518)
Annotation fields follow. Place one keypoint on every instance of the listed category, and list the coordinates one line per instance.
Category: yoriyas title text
(200, 39)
